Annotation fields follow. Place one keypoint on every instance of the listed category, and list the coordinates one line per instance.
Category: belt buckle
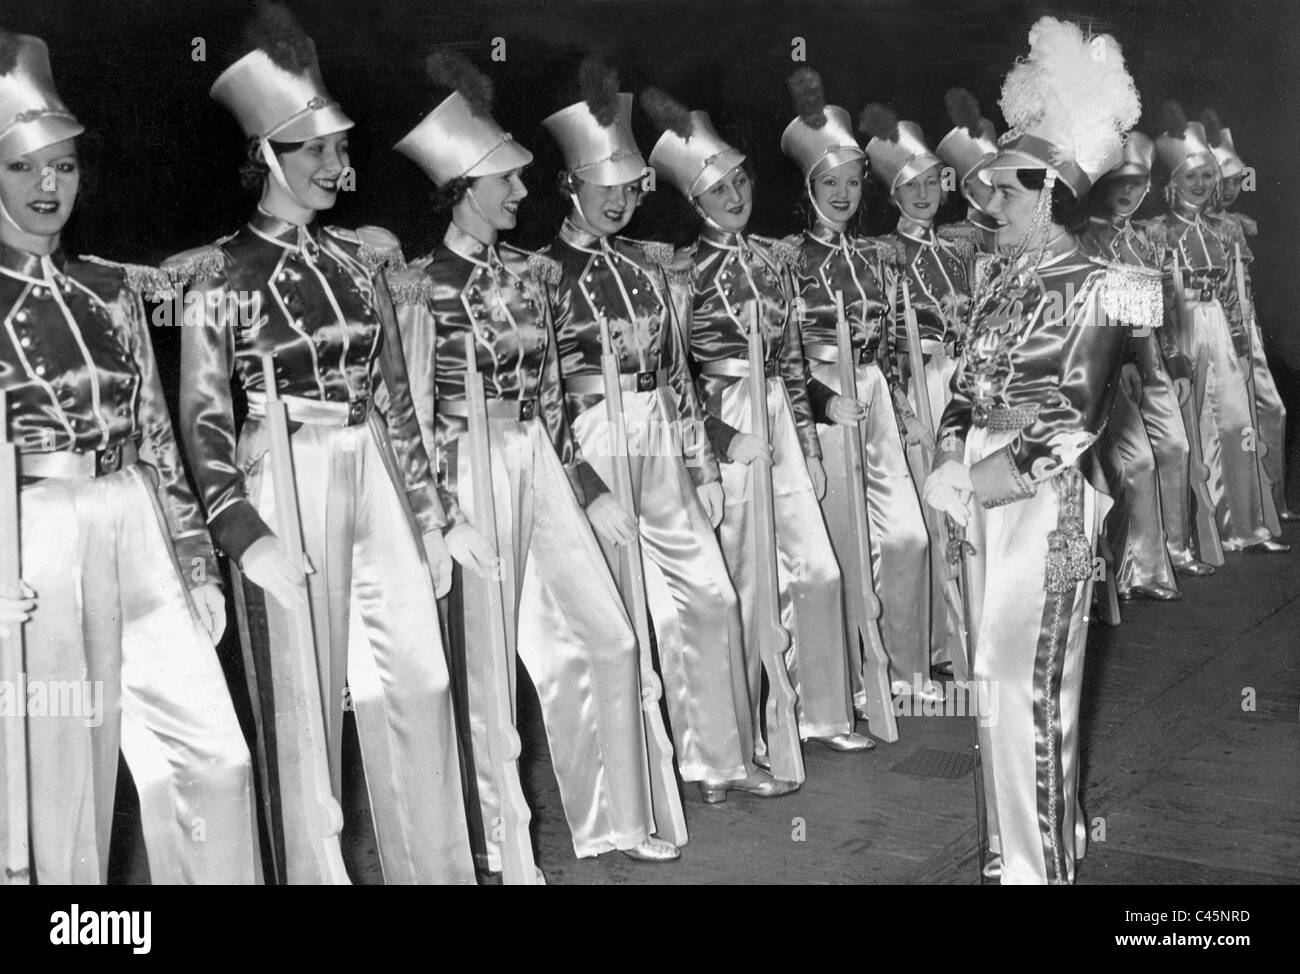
(108, 460)
(645, 381)
(1206, 295)
(864, 355)
(356, 412)
(527, 409)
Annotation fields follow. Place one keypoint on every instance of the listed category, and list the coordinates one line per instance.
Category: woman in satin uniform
(567, 622)
(315, 299)
(1032, 391)
(122, 595)
(1268, 402)
(1211, 329)
(634, 285)
(734, 274)
(1144, 449)
(936, 272)
(834, 258)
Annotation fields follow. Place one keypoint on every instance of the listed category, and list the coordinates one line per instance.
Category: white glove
(817, 474)
(949, 490)
(15, 611)
(267, 566)
(472, 550)
(613, 524)
(711, 498)
(439, 558)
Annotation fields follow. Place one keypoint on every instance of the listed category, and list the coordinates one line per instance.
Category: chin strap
(812, 200)
(4, 214)
(277, 173)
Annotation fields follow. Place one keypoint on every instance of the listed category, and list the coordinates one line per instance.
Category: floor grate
(929, 762)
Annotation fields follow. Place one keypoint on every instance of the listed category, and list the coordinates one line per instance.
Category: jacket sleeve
(207, 417)
(395, 391)
(795, 374)
(161, 453)
(696, 446)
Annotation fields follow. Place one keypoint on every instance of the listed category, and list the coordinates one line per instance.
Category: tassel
(411, 290)
(1069, 552)
(195, 265)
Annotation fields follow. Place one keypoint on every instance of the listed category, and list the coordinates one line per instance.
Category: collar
(922, 233)
(723, 239)
(827, 236)
(290, 236)
(1186, 213)
(466, 245)
(581, 239)
(21, 264)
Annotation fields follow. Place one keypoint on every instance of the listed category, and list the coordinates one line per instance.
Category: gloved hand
(266, 565)
(210, 604)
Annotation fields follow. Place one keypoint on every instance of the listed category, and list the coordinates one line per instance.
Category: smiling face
(490, 205)
(838, 193)
(1194, 184)
(1229, 190)
(39, 189)
(920, 196)
(729, 201)
(605, 210)
(1014, 206)
(1124, 194)
(312, 171)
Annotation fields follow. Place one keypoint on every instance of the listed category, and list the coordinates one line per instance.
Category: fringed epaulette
(1157, 233)
(891, 252)
(1232, 231)
(657, 252)
(960, 244)
(1133, 295)
(678, 266)
(410, 286)
(1248, 224)
(377, 248)
(544, 270)
(784, 252)
(198, 264)
(150, 283)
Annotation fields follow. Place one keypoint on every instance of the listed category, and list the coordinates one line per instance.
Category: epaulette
(376, 247)
(198, 264)
(150, 283)
(678, 266)
(544, 269)
(657, 252)
(1248, 224)
(960, 243)
(783, 252)
(891, 251)
(1157, 233)
(1133, 295)
(1235, 233)
(410, 286)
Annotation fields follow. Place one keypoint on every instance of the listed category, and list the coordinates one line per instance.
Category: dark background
(167, 155)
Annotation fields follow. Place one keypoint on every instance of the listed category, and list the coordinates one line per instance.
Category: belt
(314, 411)
(78, 465)
(831, 354)
(1003, 418)
(736, 368)
(516, 410)
(583, 385)
(934, 346)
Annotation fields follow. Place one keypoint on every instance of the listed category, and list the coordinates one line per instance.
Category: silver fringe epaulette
(151, 283)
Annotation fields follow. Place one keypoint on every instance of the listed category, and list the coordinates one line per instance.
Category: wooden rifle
(13, 669)
(1271, 519)
(305, 753)
(863, 605)
(670, 820)
(784, 749)
(518, 867)
(1209, 547)
(960, 552)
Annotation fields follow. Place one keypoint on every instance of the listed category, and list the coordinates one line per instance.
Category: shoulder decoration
(150, 283)
(657, 252)
(891, 250)
(1157, 234)
(785, 253)
(410, 286)
(544, 270)
(678, 266)
(377, 248)
(1133, 295)
(1248, 224)
(961, 243)
(198, 264)
(983, 270)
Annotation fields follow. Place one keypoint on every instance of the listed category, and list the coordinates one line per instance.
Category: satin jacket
(938, 275)
(1205, 245)
(1121, 241)
(318, 302)
(734, 274)
(505, 297)
(1042, 358)
(866, 272)
(638, 290)
(78, 373)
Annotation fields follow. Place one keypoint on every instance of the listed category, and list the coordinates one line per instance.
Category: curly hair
(446, 196)
(1068, 210)
(254, 170)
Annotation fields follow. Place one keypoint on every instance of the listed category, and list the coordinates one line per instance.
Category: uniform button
(38, 292)
(21, 315)
(40, 370)
(25, 341)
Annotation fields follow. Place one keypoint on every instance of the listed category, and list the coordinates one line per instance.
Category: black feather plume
(9, 48)
(1173, 119)
(809, 97)
(451, 69)
(1213, 127)
(598, 81)
(276, 31)
(667, 112)
(963, 109)
(879, 122)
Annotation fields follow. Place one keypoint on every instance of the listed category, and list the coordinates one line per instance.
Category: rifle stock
(864, 606)
(670, 819)
(518, 867)
(13, 775)
(305, 754)
(782, 722)
(1209, 546)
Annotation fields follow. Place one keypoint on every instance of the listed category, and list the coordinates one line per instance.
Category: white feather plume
(1074, 91)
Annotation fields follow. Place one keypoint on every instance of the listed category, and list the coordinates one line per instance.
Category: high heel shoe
(1154, 591)
(760, 785)
(653, 849)
(1270, 547)
(1194, 568)
(851, 741)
